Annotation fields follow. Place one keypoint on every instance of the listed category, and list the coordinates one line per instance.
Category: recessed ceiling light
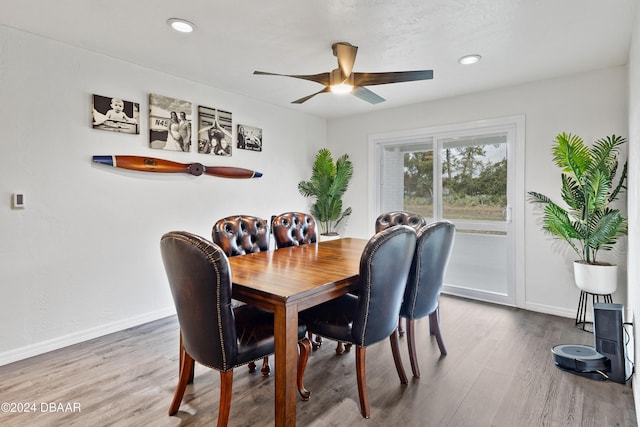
(469, 59)
(181, 25)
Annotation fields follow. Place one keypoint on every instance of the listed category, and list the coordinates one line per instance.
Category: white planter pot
(327, 237)
(596, 279)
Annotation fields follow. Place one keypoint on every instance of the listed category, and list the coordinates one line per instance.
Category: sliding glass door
(464, 175)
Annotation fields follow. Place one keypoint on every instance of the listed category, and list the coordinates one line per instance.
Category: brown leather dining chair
(294, 229)
(372, 315)
(389, 219)
(433, 249)
(214, 333)
(241, 235)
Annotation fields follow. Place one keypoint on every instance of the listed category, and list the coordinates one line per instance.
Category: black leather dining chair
(214, 333)
(389, 219)
(241, 235)
(433, 249)
(372, 315)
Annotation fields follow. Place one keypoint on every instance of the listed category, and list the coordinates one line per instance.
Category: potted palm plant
(590, 224)
(329, 181)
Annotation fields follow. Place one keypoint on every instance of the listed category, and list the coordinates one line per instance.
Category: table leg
(286, 366)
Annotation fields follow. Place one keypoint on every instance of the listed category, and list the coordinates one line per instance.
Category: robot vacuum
(581, 360)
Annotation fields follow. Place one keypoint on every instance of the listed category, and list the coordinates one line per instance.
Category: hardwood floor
(498, 372)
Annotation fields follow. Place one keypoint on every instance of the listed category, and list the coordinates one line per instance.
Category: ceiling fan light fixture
(341, 88)
(469, 59)
(181, 25)
(344, 80)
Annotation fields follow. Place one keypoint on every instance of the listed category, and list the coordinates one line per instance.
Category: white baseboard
(549, 309)
(570, 313)
(80, 336)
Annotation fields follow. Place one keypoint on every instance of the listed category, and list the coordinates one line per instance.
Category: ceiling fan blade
(322, 78)
(306, 98)
(346, 54)
(370, 79)
(366, 95)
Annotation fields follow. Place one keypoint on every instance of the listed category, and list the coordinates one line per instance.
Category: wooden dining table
(286, 281)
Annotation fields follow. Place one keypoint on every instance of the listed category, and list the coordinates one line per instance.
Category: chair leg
(361, 374)
(186, 370)
(411, 344)
(304, 345)
(432, 327)
(226, 387)
(315, 343)
(342, 347)
(434, 319)
(395, 349)
(400, 330)
(190, 380)
(266, 368)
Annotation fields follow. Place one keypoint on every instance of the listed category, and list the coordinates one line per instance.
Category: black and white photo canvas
(115, 115)
(169, 123)
(214, 131)
(249, 138)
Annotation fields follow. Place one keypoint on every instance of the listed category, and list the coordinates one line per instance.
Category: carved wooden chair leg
(342, 347)
(395, 349)
(226, 387)
(434, 319)
(411, 344)
(190, 380)
(266, 368)
(432, 327)
(317, 342)
(400, 330)
(304, 346)
(361, 374)
(186, 370)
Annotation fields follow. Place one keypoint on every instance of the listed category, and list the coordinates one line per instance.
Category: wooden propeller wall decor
(343, 79)
(151, 164)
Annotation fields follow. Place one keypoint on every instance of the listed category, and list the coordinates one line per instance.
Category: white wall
(592, 105)
(82, 259)
(634, 189)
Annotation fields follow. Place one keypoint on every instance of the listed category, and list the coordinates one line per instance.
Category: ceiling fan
(344, 80)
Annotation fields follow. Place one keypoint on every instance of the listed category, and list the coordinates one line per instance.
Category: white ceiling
(519, 40)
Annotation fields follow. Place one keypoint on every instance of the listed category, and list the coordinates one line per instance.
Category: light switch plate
(18, 201)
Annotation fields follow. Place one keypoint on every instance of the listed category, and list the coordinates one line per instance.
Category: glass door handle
(507, 214)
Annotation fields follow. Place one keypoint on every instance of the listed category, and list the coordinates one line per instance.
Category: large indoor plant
(590, 224)
(329, 181)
